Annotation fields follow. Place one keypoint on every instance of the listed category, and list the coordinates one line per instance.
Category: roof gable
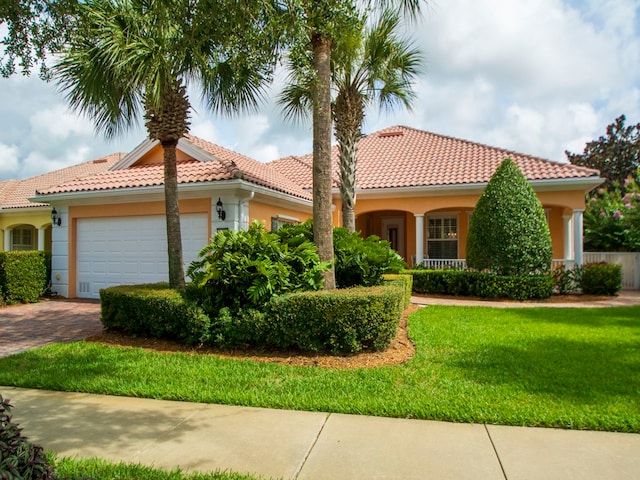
(400, 156)
(198, 161)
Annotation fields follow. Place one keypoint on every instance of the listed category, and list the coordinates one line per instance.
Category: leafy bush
(337, 321)
(612, 219)
(154, 310)
(508, 233)
(404, 281)
(358, 261)
(239, 329)
(244, 269)
(19, 458)
(23, 276)
(601, 278)
(567, 281)
(482, 284)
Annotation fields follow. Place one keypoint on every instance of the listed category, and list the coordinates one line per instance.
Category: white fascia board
(156, 192)
(194, 151)
(582, 184)
(134, 155)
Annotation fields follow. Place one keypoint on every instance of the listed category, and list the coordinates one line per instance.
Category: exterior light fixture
(220, 209)
(55, 219)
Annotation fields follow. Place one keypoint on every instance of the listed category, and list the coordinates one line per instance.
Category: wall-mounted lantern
(55, 218)
(220, 209)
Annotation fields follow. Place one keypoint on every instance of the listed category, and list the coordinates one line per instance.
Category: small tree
(612, 219)
(509, 234)
(617, 155)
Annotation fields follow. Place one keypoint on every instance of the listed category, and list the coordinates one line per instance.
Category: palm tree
(375, 64)
(129, 56)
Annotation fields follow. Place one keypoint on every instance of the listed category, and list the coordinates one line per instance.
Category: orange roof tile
(406, 157)
(228, 165)
(17, 192)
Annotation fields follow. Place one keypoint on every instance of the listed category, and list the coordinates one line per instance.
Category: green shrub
(404, 281)
(482, 284)
(23, 276)
(337, 321)
(601, 278)
(244, 269)
(19, 458)
(243, 328)
(566, 281)
(155, 311)
(508, 232)
(358, 261)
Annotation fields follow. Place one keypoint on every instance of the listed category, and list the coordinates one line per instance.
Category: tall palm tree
(371, 65)
(129, 57)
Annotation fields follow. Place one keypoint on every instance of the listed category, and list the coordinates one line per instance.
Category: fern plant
(244, 269)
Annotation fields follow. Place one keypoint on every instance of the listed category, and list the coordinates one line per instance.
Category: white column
(7, 239)
(41, 239)
(419, 237)
(577, 236)
(566, 229)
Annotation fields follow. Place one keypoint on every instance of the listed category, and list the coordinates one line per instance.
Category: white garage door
(131, 250)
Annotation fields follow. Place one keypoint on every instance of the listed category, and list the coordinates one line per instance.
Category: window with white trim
(442, 236)
(280, 220)
(23, 238)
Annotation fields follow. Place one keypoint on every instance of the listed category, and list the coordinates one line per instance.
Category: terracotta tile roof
(405, 157)
(252, 170)
(15, 193)
(229, 166)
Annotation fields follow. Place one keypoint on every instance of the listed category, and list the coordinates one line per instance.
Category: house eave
(156, 192)
(582, 184)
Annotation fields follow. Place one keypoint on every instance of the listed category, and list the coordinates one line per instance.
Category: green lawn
(97, 469)
(570, 368)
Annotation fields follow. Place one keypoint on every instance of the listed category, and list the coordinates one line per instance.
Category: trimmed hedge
(24, 276)
(508, 231)
(482, 284)
(338, 321)
(403, 280)
(154, 310)
(601, 278)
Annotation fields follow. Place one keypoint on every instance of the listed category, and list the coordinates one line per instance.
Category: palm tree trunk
(348, 146)
(322, 179)
(172, 209)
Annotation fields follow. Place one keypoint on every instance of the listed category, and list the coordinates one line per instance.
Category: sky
(537, 77)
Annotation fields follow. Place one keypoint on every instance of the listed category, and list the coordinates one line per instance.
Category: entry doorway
(393, 231)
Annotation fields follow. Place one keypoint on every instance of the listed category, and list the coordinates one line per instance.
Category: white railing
(630, 262)
(445, 264)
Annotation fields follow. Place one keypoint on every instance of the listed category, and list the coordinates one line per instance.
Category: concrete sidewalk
(312, 445)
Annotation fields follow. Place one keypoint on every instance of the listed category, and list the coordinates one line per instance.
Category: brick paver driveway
(29, 326)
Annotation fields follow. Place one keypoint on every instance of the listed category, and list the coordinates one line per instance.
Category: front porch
(630, 262)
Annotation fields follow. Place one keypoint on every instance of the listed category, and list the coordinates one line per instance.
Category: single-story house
(416, 189)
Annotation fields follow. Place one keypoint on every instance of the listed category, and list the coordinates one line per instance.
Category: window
(280, 220)
(442, 240)
(23, 238)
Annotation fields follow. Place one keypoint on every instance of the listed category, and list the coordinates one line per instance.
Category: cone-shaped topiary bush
(508, 234)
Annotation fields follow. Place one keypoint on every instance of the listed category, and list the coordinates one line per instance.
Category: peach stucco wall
(263, 213)
(370, 212)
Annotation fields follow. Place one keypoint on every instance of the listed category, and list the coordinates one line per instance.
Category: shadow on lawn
(628, 317)
(567, 369)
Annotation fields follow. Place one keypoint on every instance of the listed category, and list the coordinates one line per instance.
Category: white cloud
(58, 123)
(536, 77)
(9, 159)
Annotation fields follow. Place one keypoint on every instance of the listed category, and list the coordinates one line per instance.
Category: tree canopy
(508, 234)
(616, 154)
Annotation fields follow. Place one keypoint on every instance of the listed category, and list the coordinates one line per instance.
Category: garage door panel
(130, 250)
